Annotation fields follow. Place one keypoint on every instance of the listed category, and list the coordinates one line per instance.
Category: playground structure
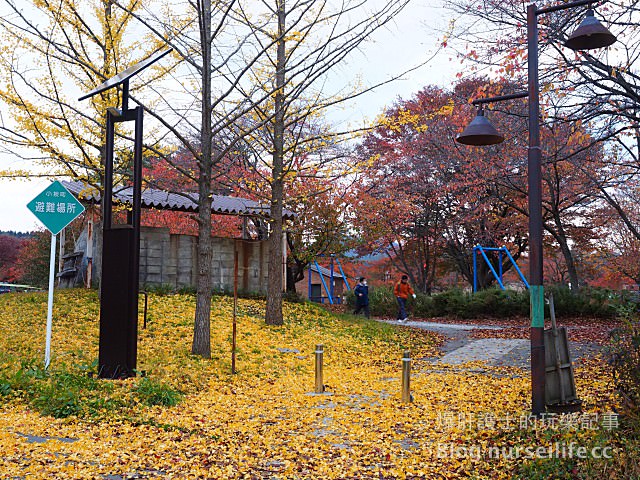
(497, 275)
(14, 287)
(333, 294)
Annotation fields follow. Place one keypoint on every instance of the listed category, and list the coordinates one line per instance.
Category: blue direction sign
(55, 207)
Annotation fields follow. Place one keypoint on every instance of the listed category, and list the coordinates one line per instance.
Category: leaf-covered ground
(579, 329)
(262, 422)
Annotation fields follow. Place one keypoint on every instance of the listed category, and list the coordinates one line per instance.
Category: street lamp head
(480, 132)
(591, 34)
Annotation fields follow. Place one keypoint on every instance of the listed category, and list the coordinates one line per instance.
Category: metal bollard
(319, 362)
(146, 307)
(406, 377)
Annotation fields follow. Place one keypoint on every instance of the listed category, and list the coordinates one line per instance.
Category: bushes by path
(589, 302)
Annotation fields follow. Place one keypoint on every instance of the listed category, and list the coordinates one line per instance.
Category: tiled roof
(326, 272)
(152, 198)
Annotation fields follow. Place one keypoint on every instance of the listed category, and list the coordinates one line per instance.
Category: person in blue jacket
(362, 297)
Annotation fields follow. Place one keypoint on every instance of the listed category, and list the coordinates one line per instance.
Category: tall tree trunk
(559, 234)
(96, 262)
(273, 314)
(202, 324)
(568, 260)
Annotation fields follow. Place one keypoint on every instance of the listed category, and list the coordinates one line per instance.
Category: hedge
(493, 302)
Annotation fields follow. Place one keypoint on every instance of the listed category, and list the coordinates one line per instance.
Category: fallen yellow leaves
(262, 422)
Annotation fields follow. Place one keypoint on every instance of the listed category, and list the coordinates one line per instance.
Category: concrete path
(488, 350)
(460, 347)
(444, 327)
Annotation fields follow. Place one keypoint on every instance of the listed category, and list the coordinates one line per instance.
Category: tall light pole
(118, 346)
(591, 34)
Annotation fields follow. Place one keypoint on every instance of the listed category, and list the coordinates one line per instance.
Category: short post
(146, 307)
(235, 310)
(406, 377)
(319, 361)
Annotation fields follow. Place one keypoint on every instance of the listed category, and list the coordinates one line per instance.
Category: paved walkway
(488, 350)
(460, 347)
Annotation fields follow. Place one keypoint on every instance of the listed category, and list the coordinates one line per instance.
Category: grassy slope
(163, 350)
(260, 422)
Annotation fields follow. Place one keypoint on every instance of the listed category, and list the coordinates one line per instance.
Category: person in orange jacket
(402, 290)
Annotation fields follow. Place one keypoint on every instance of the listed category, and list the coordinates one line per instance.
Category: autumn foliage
(425, 200)
(263, 419)
(9, 248)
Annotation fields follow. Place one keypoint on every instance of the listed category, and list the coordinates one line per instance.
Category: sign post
(52, 270)
(56, 208)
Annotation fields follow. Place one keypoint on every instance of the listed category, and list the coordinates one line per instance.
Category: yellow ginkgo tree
(307, 43)
(51, 53)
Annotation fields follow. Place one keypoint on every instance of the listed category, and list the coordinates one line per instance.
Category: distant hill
(21, 235)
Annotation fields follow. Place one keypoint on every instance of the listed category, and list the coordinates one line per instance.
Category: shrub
(64, 393)
(592, 302)
(450, 303)
(382, 302)
(151, 392)
(59, 393)
(57, 402)
(76, 391)
(187, 290)
(499, 303)
(350, 298)
(624, 357)
(494, 302)
(423, 306)
(5, 388)
(293, 297)
(623, 354)
(25, 377)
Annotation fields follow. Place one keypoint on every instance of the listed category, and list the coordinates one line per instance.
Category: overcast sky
(410, 40)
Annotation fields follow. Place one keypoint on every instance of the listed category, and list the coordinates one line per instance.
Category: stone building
(170, 260)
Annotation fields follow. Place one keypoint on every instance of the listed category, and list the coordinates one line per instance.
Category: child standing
(402, 290)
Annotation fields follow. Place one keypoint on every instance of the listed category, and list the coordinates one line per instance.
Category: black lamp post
(118, 347)
(591, 34)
